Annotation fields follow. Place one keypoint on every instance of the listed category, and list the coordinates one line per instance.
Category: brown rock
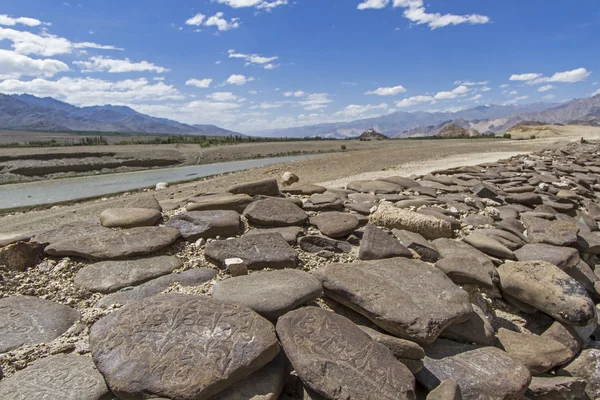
(266, 187)
(21, 255)
(129, 217)
(276, 213)
(335, 224)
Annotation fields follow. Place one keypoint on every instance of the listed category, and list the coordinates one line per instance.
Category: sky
(251, 65)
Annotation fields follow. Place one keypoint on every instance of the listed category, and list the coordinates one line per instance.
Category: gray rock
(289, 178)
(12, 238)
(335, 224)
(465, 264)
(477, 329)
(272, 293)
(192, 277)
(480, 372)
(323, 202)
(430, 301)
(529, 199)
(21, 255)
(196, 225)
(290, 233)
(586, 367)
(489, 245)
(110, 276)
(565, 335)
(401, 181)
(26, 320)
(429, 227)
(276, 213)
(374, 187)
(378, 244)
(400, 348)
(151, 347)
(418, 243)
(557, 233)
(508, 239)
(268, 250)
(549, 289)
(266, 187)
(70, 231)
(563, 257)
(63, 376)
(129, 217)
(303, 189)
(550, 387)
(146, 201)
(588, 243)
(223, 201)
(477, 220)
(337, 360)
(446, 390)
(315, 244)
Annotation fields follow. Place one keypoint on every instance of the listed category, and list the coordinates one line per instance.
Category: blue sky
(258, 64)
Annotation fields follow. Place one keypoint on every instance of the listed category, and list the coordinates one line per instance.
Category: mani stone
(268, 250)
(377, 187)
(585, 366)
(21, 255)
(400, 348)
(562, 257)
(116, 244)
(265, 187)
(26, 320)
(401, 181)
(147, 201)
(337, 360)
(192, 277)
(129, 217)
(196, 225)
(480, 372)
(275, 212)
(556, 387)
(289, 233)
(70, 231)
(549, 289)
(63, 376)
(477, 329)
(538, 353)
(557, 233)
(335, 224)
(315, 244)
(528, 199)
(427, 226)
(303, 189)
(419, 244)
(378, 244)
(11, 238)
(225, 201)
(155, 347)
(110, 276)
(464, 264)
(489, 245)
(430, 301)
(270, 293)
(446, 390)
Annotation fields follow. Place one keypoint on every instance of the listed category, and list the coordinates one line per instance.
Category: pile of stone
(478, 282)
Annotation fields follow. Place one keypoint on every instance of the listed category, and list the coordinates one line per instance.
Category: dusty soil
(550, 131)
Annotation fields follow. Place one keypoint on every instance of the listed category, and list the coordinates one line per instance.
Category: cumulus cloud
(545, 88)
(256, 59)
(524, 77)
(10, 21)
(298, 93)
(102, 64)
(375, 4)
(238, 80)
(414, 100)
(355, 110)
(470, 83)
(596, 93)
(315, 101)
(459, 91)
(199, 83)
(388, 91)
(260, 4)
(196, 20)
(224, 97)
(576, 75)
(15, 65)
(452, 94)
(551, 96)
(216, 20)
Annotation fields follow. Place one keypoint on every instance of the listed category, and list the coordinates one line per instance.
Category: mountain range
(27, 112)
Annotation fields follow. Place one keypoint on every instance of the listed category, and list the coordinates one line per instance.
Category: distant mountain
(453, 131)
(27, 112)
(372, 134)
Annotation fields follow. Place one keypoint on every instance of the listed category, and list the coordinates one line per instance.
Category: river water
(54, 191)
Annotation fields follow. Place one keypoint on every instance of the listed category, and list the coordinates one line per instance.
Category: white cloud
(238, 80)
(221, 23)
(375, 4)
(224, 97)
(355, 110)
(513, 93)
(199, 83)
(101, 64)
(388, 91)
(469, 83)
(576, 75)
(15, 65)
(412, 101)
(298, 93)
(476, 97)
(524, 77)
(10, 21)
(597, 92)
(551, 96)
(486, 89)
(257, 59)
(196, 20)
(504, 86)
(252, 92)
(520, 98)
(260, 4)
(415, 12)
(269, 105)
(595, 83)
(451, 95)
(315, 101)
(545, 88)
(271, 66)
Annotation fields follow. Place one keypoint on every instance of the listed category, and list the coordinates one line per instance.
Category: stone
(192, 277)
(290, 233)
(538, 353)
(485, 190)
(489, 245)
(477, 220)
(196, 225)
(305, 189)
(550, 387)
(400, 348)
(429, 227)
(588, 243)
(266, 187)
(585, 366)
(562, 257)
(161, 186)
(69, 231)
(63, 376)
(270, 293)
(378, 244)
(129, 217)
(21, 255)
(223, 201)
(268, 250)
(401, 181)
(477, 329)
(376, 187)
(116, 244)
(446, 390)
(480, 372)
(315, 244)
(464, 263)
(146, 201)
(323, 202)
(337, 360)
(430, 301)
(275, 213)
(557, 233)
(335, 224)
(155, 347)
(110, 276)
(529, 199)
(565, 335)
(418, 243)
(12, 238)
(549, 289)
(26, 320)
(508, 239)
(289, 178)
(416, 202)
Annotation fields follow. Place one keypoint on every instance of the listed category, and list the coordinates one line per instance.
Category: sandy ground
(552, 131)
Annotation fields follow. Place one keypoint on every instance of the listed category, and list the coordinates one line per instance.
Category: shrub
(533, 137)
(507, 136)
(343, 147)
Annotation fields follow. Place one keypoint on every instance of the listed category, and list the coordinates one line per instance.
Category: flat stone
(588, 243)
(489, 245)
(196, 225)
(477, 329)
(112, 245)
(129, 217)
(290, 233)
(268, 250)
(378, 244)
(376, 187)
(477, 220)
(400, 348)
(26, 320)
(70, 231)
(192, 277)
(276, 213)
(429, 227)
(63, 376)
(272, 293)
(416, 202)
(565, 335)
(335, 224)
(305, 189)
(110, 276)
(155, 347)
(529, 199)
(562, 257)
(585, 366)
(323, 202)
(146, 201)
(266, 187)
(401, 181)
(464, 264)
(12, 238)
(550, 387)
(21, 255)
(418, 243)
(222, 201)
(315, 244)
(557, 233)
(549, 289)
(538, 353)
(480, 372)
(508, 239)
(337, 360)
(446, 390)
(430, 301)
(289, 178)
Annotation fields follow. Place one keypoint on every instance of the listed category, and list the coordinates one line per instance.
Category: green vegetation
(533, 137)
(507, 136)
(343, 147)
(86, 141)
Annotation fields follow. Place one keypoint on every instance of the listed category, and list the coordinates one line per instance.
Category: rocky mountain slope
(372, 134)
